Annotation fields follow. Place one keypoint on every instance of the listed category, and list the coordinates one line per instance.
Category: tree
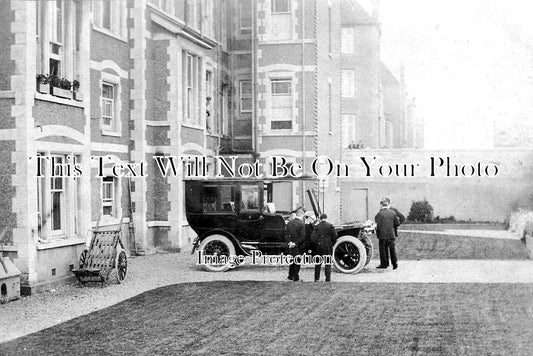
(421, 211)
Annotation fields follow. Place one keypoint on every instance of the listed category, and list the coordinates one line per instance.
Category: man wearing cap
(386, 223)
(323, 236)
(296, 239)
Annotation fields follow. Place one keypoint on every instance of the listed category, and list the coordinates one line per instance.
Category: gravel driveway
(40, 311)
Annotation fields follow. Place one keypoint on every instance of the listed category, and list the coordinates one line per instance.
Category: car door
(250, 219)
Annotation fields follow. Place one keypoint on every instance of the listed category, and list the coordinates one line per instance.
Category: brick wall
(6, 37)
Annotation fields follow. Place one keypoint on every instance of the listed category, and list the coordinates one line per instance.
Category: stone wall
(476, 198)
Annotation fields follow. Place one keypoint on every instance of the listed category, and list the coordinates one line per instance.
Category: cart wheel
(122, 267)
(83, 258)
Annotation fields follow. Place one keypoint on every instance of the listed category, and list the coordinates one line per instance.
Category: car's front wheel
(349, 254)
(215, 252)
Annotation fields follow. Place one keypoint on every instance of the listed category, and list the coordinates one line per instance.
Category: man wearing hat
(387, 222)
(323, 236)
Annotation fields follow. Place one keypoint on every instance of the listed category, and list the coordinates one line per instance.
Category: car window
(227, 198)
(219, 198)
(249, 197)
(210, 198)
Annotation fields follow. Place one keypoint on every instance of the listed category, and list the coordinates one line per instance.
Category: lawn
(442, 227)
(300, 318)
(420, 246)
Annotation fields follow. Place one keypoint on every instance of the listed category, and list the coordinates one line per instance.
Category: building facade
(91, 91)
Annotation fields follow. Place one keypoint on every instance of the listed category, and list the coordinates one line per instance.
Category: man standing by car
(386, 224)
(401, 218)
(323, 236)
(296, 237)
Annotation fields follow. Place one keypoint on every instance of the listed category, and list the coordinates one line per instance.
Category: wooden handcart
(105, 254)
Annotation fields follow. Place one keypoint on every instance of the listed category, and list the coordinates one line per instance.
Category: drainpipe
(303, 94)
(255, 129)
(218, 91)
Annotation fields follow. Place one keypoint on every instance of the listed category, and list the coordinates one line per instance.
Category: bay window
(57, 198)
(57, 38)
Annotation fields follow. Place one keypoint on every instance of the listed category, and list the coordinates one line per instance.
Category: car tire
(349, 254)
(216, 245)
(369, 247)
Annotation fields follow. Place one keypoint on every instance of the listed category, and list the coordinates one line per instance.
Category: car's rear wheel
(216, 251)
(349, 254)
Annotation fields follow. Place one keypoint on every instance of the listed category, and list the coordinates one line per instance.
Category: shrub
(421, 211)
(521, 222)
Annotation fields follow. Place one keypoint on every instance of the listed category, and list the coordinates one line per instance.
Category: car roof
(242, 179)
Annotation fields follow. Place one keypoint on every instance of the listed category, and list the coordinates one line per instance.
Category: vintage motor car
(236, 217)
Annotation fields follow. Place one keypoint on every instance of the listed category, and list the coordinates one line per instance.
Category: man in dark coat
(387, 223)
(323, 236)
(401, 219)
(296, 243)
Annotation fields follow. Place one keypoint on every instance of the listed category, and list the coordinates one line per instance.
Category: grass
(418, 246)
(300, 318)
(456, 226)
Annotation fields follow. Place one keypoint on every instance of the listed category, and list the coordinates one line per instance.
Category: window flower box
(43, 84)
(43, 88)
(61, 93)
(61, 87)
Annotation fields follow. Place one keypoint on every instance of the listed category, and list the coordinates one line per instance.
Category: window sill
(55, 99)
(193, 126)
(111, 133)
(107, 220)
(109, 33)
(281, 133)
(215, 134)
(57, 243)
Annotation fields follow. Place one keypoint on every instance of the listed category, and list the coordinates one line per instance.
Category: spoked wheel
(369, 247)
(216, 250)
(122, 267)
(349, 254)
(83, 258)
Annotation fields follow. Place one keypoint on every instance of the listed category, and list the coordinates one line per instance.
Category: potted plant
(75, 90)
(61, 87)
(43, 83)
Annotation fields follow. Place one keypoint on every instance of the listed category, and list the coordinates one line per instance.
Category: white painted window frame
(116, 128)
(347, 40)
(281, 76)
(69, 201)
(243, 95)
(348, 89)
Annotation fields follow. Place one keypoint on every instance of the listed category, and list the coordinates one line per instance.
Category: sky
(468, 64)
